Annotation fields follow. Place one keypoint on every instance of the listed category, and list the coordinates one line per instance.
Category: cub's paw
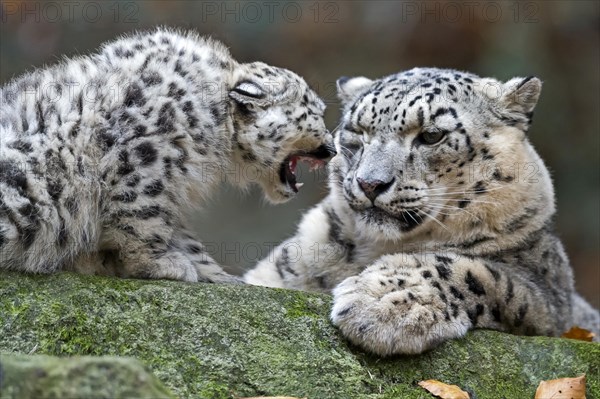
(177, 266)
(213, 273)
(394, 311)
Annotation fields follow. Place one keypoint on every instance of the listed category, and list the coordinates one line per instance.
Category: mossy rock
(216, 341)
(36, 377)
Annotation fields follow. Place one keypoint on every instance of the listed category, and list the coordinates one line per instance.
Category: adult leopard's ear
(250, 93)
(518, 99)
(350, 88)
(520, 95)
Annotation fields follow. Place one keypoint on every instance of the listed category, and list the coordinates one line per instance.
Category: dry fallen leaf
(579, 333)
(444, 391)
(563, 388)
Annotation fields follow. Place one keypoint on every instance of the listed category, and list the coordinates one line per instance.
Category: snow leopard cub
(438, 220)
(99, 154)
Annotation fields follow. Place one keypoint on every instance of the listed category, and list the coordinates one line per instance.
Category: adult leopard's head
(277, 122)
(438, 153)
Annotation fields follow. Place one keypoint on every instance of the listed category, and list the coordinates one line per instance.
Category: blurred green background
(557, 41)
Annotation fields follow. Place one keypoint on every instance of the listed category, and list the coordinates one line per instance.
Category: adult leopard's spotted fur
(438, 220)
(99, 154)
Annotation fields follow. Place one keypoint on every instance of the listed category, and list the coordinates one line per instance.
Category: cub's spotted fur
(99, 155)
(439, 217)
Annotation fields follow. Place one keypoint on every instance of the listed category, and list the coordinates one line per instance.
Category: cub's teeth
(292, 168)
(298, 185)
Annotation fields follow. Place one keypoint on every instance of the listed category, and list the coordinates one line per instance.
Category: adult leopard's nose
(373, 188)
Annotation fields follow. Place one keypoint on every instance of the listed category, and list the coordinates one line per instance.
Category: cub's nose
(324, 152)
(373, 188)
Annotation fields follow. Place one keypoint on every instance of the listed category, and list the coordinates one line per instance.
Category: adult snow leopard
(99, 154)
(438, 220)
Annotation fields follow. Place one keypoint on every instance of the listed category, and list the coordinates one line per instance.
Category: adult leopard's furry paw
(393, 312)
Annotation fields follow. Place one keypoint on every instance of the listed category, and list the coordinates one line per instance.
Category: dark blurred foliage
(557, 41)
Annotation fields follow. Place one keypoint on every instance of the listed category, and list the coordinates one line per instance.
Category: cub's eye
(432, 136)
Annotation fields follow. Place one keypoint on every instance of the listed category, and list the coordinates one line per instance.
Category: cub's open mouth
(316, 159)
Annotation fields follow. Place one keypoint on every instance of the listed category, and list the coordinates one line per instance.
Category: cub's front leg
(150, 243)
(408, 303)
(207, 269)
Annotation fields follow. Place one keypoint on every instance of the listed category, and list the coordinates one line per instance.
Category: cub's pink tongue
(314, 163)
(290, 171)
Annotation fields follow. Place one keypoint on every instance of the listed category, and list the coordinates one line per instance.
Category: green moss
(38, 377)
(212, 341)
(212, 390)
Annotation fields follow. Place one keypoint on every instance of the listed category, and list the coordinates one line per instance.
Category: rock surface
(213, 341)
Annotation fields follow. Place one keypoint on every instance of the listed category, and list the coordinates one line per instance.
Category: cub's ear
(521, 94)
(350, 88)
(249, 93)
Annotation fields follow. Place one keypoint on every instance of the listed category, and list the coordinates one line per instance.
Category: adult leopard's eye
(352, 129)
(432, 136)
